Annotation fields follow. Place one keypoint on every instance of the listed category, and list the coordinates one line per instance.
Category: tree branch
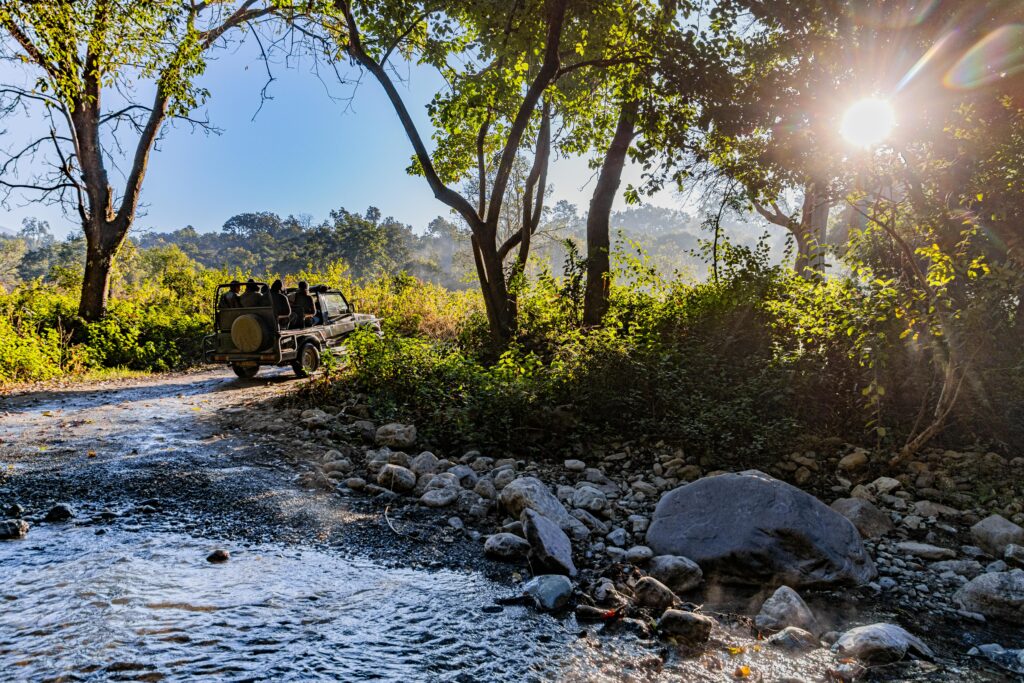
(548, 69)
(441, 191)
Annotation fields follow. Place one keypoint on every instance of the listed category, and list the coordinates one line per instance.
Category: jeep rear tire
(308, 361)
(246, 371)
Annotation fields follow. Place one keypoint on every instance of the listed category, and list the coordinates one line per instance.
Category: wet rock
(13, 528)
(995, 532)
(590, 499)
(880, 644)
(925, 551)
(785, 608)
(575, 465)
(396, 435)
(1011, 660)
(680, 574)
(691, 629)
(649, 592)
(617, 537)
(531, 493)
(793, 639)
(869, 520)
(638, 554)
(550, 548)
(465, 474)
(219, 555)
(590, 613)
(396, 478)
(550, 592)
(996, 595)
(505, 546)
(503, 478)
(440, 497)
(59, 513)
(760, 530)
(424, 463)
(15, 511)
(485, 489)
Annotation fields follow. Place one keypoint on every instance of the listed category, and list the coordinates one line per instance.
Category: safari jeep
(246, 338)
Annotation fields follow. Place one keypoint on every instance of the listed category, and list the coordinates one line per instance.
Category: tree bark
(809, 231)
(595, 297)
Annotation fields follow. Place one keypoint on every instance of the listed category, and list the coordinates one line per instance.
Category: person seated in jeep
(251, 297)
(282, 309)
(303, 308)
(229, 299)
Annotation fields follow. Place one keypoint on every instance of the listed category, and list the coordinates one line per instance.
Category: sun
(868, 122)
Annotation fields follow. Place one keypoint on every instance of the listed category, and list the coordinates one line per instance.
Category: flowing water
(130, 605)
(124, 592)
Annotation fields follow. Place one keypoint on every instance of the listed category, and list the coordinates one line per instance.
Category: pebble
(575, 465)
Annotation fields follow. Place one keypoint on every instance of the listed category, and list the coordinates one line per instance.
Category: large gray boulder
(998, 595)
(531, 493)
(550, 548)
(751, 528)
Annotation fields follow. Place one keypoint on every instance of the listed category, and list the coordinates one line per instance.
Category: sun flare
(868, 122)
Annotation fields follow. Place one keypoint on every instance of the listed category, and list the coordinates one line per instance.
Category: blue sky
(303, 153)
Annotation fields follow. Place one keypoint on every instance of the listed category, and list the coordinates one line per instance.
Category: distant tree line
(263, 243)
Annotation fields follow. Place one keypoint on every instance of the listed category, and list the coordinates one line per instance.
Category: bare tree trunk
(95, 284)
(595, 297)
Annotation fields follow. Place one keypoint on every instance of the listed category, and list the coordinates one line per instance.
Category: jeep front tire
(308, 361)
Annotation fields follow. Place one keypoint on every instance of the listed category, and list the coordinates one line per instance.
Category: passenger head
(304, 287)
(235, 286)
(276, 286)
(250, 286)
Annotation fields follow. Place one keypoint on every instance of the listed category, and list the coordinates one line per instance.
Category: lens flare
(868, 122)
(994, 57)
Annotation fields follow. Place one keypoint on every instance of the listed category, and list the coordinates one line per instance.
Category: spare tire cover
(247, 333)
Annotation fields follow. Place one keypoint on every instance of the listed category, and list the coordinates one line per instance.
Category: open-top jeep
(246, 337)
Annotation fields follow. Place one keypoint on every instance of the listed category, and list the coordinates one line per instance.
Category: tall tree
(90, 64)
(509, 55)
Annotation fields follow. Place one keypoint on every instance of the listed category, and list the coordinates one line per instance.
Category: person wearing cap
(230, 299)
